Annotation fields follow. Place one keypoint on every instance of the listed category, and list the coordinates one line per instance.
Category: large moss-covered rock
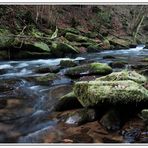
(42, 46)
(112, 92)
(78, 38)
(118, 42)
(144, 115)
(124, 75)
(60, 49)
(89, 69)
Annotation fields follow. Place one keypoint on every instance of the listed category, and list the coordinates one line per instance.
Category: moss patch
(89, 69)
(96, 92)
(124, 75)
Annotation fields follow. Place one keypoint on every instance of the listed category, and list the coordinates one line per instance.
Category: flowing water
(25, 105)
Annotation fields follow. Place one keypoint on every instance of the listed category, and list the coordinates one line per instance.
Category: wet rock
(131, 135)
(44, 79)
(3, 71)
(67, 63)
(44, 135)
(118, 64)
(139, 66)
(60, 49)
(89, 69)
(81, 116)
(68, 101)
(108, 57)
(124, 75)
(3, 103)
(47, 69)
(111, 120)
(113, 92)
(80, 138)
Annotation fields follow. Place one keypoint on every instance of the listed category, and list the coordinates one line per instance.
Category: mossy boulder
(44, 79)
(47, 69)
(59, 49)
(78, 38)
(93, 48)
(111, 92)
(6, 38)
(42, 46)
(68, 101)
(89, 69)
(118, 42)
(67, 63)
(124, 75)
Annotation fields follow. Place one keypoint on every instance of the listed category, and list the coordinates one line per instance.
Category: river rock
(118, 64)
(118, 42)
(44, 79)
(111, 120)
(59, 49)
(81, 116)
(67, 63)
(47, 69)
(89, 69)
(112, 92)
(124, 75)
(108, 57)
(68, 101)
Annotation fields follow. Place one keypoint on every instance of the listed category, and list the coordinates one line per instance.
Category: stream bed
(27, 107)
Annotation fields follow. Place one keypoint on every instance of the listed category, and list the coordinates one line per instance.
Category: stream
(25, 105)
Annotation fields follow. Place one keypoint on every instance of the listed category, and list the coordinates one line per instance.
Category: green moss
(46, 78)
(145, 60)
(60, 48)
(124, 75)
(78, 38)
(95, 92)
(88, 69)
(67, 63)
(42, 46)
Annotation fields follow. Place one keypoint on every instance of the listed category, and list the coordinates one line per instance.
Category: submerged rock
(98, 92)
(89, 69)
(111, 120)
(67, 63)
(124, 75)
(81, 116)
(44, 79)
(118, 64)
